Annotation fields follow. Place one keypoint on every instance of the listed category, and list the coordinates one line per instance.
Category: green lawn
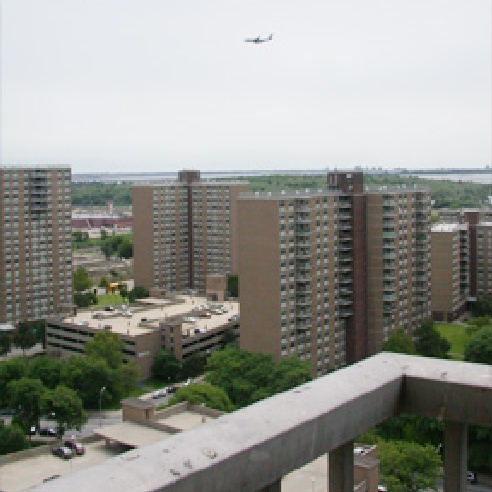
(110, 300)
(457, 336)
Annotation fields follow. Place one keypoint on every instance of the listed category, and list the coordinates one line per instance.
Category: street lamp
(103, 389)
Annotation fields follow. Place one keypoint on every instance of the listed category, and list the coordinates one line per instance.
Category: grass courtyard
(110, 300)
(457, 336)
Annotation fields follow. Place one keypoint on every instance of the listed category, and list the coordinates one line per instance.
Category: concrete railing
(252, 449)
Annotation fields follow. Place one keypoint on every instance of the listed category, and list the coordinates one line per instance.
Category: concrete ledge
(249, 449)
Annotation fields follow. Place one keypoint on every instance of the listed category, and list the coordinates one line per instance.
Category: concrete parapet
(252, 448)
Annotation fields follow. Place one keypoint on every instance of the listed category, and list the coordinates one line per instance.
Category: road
(92, 423)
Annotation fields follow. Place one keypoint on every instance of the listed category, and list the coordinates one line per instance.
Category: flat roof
(449, 227)
(28, 472)
(153, 311)
(185, 420)
(288, 194)
(131, 434)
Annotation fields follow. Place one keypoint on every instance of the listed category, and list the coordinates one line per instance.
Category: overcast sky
(158, 85)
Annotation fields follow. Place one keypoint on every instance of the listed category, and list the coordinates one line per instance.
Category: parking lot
(20, 475)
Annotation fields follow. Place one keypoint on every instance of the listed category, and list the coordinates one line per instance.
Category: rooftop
(449, 227)
(146, 316)
(288, 194)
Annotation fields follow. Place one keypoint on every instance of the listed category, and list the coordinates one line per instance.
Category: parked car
(47, 431)
(471, 477)
(109, 308)
(76, 447)
(172, 389)
(159, 393)
(63, 452)
(234, 317)
(204, 314)
(32, 430)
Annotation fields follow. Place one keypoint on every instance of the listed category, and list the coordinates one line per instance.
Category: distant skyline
(157, 86)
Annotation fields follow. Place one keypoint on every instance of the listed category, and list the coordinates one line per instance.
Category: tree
(229, 338)
(103, 282)
(81, 280)
(291, 372)
(103, 233)
(400, 343)
(249, 377)
(407, 466)
(127, 376)
(39, 327)
(12, 438)
(479, 347)
(24, 336)
(85, 299)
(27, 395)
(482, 306)
(123, 289)
(67, 408)
(429, 342)
(89, 375)
(166, 366)
(138, 293)
(5, 342)
(107, 346)
(47, 369)
(210, 396)
(10, 370)
(125, 249)
(193, 365)
(233, 285)
(107, 250)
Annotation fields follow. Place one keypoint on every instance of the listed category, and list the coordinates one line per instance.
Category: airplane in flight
(258, 40)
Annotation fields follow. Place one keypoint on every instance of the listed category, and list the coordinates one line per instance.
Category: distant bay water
(483, 178)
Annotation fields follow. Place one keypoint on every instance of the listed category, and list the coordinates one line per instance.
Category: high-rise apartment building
(184, 230)
(328, 275)
(478, 222)
(398, 222)
(483, 253)
(36, 243)
(450, 272)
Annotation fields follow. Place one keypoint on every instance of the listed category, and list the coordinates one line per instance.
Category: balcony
(344, 302)
(303, 231)
(389, 297)
(303, 300)
(303, 279)
(345, 279)
(304, 290)
(303, 219)
(303, 315)
(303, 266)
(303, 327)
(303, 253)
(345, 247)
(345, 312)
